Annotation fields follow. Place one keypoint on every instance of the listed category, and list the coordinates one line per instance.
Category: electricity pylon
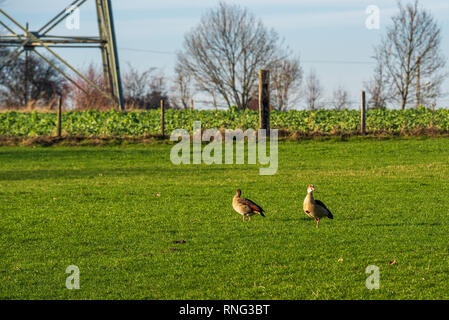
(30, 41)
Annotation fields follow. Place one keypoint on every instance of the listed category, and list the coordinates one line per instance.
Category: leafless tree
(431, 91)
(314, 90)
(136, 83)
(144, 89)
(182, 88)
(84, 97)
(340, 98)
(286, 77)
(29, 80)
(378, 88)
(224, 52)
(158, 91)
(412, 43)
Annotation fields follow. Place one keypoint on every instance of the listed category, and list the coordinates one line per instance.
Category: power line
(149, 51)
(304, 61)
(337, 61)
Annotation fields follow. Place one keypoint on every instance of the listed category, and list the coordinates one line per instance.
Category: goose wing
(321, 204)
(251, 205)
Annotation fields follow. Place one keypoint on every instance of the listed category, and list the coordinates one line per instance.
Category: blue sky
(330, 36)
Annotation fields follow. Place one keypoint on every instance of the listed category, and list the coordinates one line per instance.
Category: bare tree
(144, 89)
(29, 80)
(158, 91)
(84, 97)
(225, 50)
(314, 90)
(378, 88)
(136, 84)
(412, 44)
(182, 87)
(340, 98)
(286, 78)
(430, 94)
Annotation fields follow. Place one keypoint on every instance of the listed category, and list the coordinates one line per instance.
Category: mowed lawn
(115, 211)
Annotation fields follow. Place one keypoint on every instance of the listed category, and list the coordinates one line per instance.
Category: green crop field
(113, 123)
(115, 212)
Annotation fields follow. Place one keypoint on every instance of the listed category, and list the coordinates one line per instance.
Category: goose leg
(317, 222)
(249, 218)
(243, 218)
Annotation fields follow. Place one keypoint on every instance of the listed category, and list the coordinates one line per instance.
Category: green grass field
(115, 211)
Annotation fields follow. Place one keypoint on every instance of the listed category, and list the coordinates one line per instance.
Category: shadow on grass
(157, 171)
(295, 219)
(40, 174)
(402, 224)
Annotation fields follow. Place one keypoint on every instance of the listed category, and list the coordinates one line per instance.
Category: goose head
(310, 188)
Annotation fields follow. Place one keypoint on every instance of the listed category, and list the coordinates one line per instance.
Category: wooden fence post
(191, 104)
(418, 82)
(264, 99)
(162, 118)
(363, 114)
(59, 128)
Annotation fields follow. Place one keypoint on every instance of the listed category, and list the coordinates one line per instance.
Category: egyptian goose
(315, 208)
(246, 207)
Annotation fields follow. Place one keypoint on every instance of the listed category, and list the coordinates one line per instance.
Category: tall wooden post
(191, 104)
(26, 72)
(363, 114)
(418, 82)
(264, 99)
(162, 118)
(59, 128)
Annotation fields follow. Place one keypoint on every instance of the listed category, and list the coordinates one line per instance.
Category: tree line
(220, 58)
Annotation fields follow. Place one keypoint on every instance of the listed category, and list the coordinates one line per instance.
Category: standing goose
(315, 208)
(246, 207)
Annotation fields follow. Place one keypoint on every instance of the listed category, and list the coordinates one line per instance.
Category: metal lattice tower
(30, 41)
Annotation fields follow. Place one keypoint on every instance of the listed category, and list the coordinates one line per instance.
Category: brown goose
(315, 208)
(246, 207)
